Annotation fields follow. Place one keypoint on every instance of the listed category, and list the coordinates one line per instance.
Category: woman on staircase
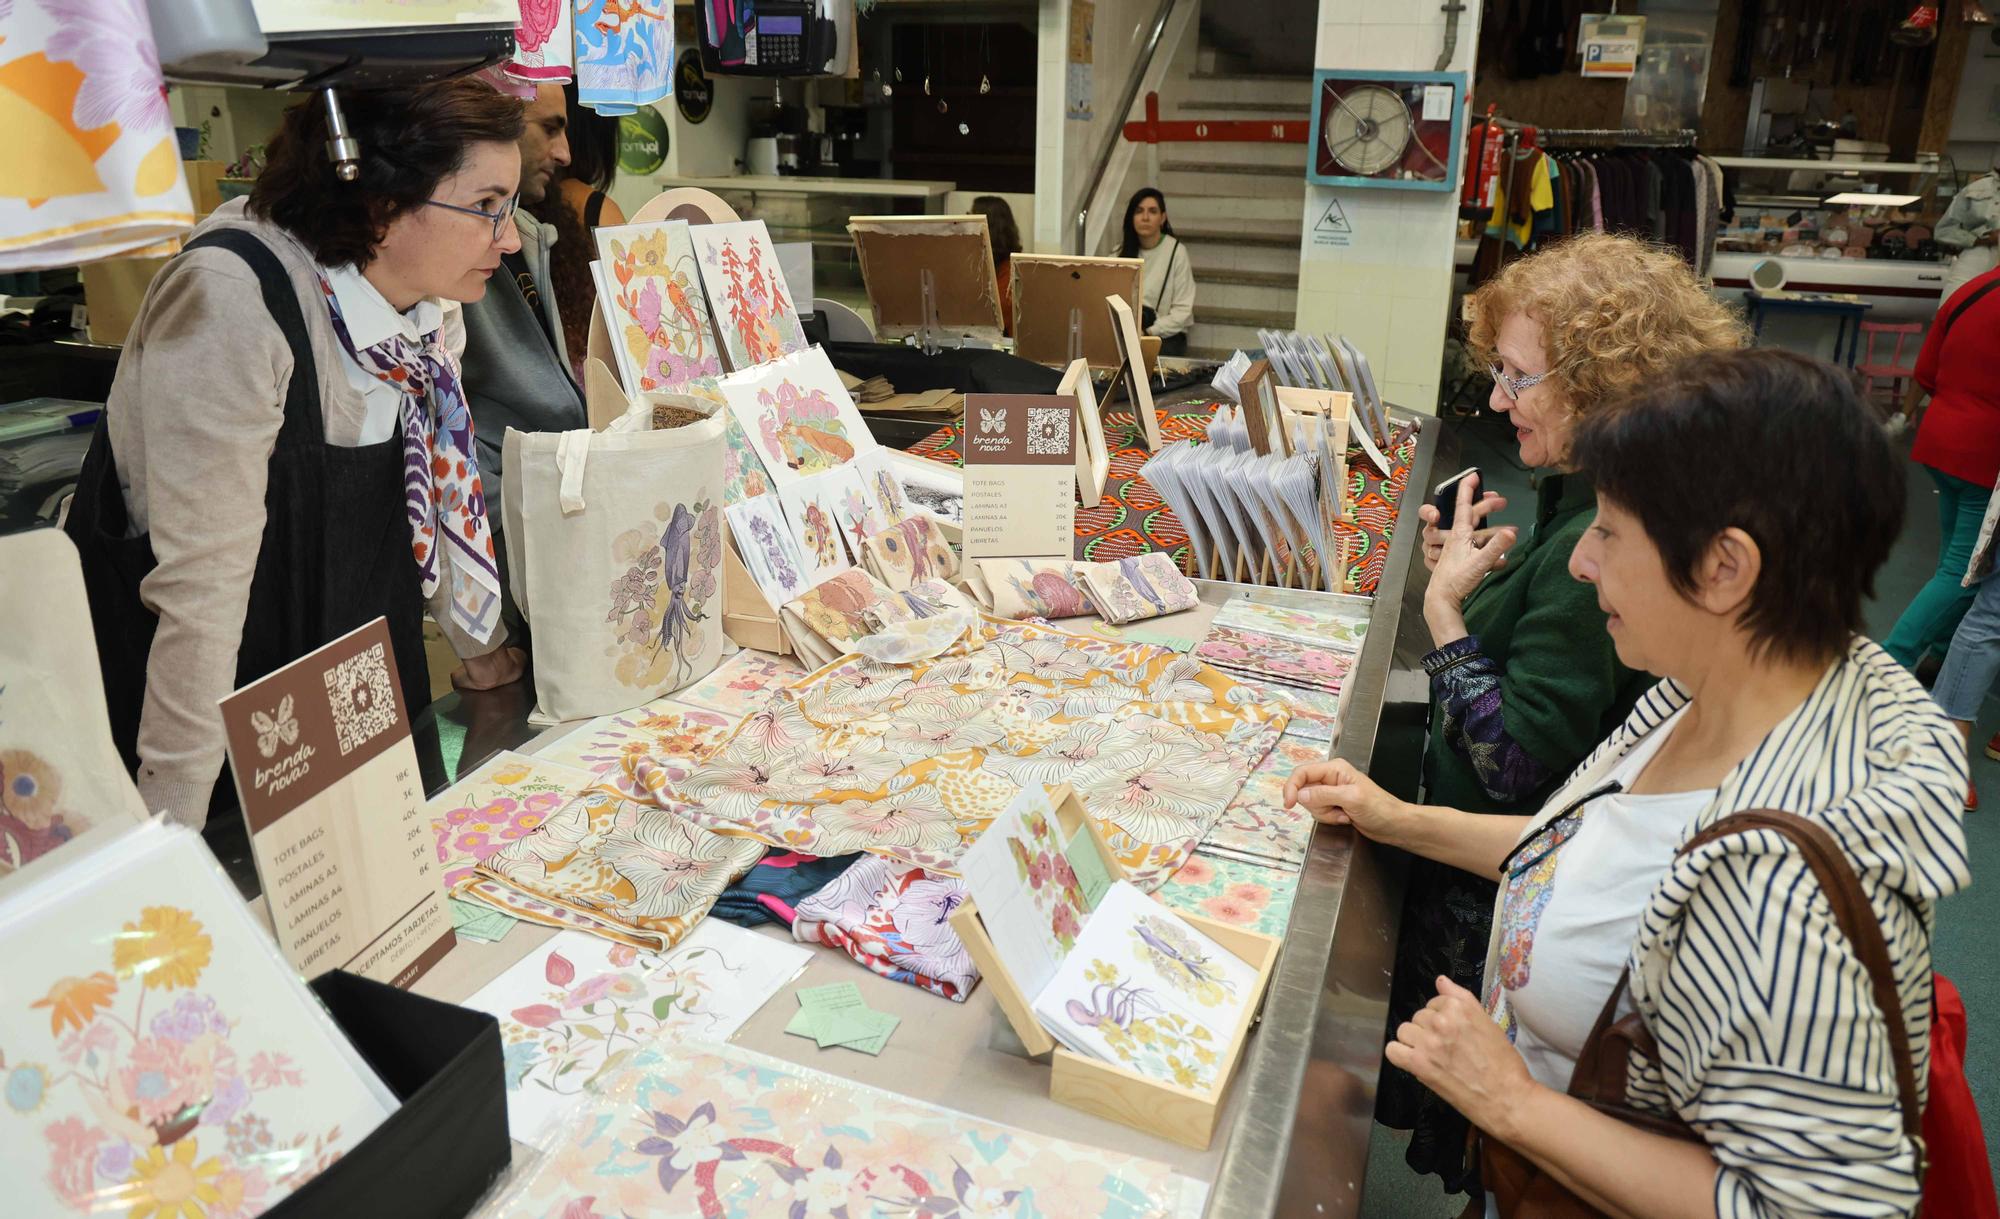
(1166, 294)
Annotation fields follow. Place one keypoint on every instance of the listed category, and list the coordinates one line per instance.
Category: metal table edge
(1259, 1173)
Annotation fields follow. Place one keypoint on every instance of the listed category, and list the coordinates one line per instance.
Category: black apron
(335, 554)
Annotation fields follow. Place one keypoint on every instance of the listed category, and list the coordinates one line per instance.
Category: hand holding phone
(1444, 497)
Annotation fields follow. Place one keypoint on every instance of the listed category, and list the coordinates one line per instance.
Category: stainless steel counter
(1293, 1139)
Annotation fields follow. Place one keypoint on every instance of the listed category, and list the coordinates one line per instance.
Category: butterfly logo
(994, 420)
(280, 726)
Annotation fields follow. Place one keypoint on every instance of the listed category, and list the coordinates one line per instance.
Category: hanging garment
(544, 44)
(624, 54)
(93, 166)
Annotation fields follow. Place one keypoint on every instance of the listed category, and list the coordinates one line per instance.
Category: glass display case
(1831, 210)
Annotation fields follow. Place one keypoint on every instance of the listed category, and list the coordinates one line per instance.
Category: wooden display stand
(1183, 1115)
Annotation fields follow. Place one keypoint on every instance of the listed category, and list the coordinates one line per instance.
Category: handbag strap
(1600, 1076)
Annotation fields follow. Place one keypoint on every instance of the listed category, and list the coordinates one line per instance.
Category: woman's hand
(1469, 553)
(1434, 538)
(1338, 794)
(500, 667)
(1456, 1050)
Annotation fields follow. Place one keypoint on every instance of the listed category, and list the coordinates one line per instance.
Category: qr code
(363, 701)
(1048, 430)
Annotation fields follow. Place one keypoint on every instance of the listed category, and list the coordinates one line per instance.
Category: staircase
(1239, 207)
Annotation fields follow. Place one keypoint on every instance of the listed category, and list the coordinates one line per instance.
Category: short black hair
(411, 139)
(1778, 445)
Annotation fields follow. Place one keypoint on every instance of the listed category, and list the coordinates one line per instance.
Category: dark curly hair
(411, 140)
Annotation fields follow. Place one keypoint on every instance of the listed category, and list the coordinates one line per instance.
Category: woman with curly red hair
(1524, 678)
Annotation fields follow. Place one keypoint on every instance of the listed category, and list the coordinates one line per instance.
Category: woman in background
(576, 209)
(1006, 238)
(1166, 294)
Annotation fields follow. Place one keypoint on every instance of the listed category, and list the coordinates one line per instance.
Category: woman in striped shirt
(1745, 592)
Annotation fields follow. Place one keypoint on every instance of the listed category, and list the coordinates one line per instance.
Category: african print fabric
(913, 761)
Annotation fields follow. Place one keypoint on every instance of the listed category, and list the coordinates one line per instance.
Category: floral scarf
(440, 472)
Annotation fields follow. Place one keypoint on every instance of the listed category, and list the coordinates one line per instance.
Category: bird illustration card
(812, 506)
(160, 1056)
(764, 542)
(747, 294)
(1145, 990)
(655, 311)
(797, 416)
(1020, 475)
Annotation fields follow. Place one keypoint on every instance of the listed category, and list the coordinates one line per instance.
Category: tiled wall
(1388, 288)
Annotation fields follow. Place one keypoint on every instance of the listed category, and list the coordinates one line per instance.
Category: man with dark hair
(516, 366)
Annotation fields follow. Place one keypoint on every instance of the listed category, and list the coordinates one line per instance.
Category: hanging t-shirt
(1569, 916)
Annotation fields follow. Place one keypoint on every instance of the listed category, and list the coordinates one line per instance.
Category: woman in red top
(1959, 443)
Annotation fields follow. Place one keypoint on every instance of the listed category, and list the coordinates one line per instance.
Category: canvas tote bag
(614, 545)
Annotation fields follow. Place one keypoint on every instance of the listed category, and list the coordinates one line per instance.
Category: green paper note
(474, 921)
(1091, 875)
(838, 997)
(882, 1025)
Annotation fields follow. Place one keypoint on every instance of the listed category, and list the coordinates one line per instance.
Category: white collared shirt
(370, 319)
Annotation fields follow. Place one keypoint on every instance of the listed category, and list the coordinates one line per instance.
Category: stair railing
(1101, 164)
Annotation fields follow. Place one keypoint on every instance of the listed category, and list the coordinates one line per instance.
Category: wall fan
(1386, 129)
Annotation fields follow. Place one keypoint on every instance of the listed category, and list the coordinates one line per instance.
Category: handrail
(1114, 129)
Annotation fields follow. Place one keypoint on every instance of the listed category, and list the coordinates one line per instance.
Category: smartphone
(1444, 496)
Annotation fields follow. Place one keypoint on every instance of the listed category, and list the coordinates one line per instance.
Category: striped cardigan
(1770, 1041)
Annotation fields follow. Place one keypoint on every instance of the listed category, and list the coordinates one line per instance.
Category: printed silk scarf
(440, 472)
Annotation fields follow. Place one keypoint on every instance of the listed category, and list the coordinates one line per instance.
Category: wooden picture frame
(1186, 1116)
(1093, 458)
(1049, 287)
(894, 251)
(1131, 374)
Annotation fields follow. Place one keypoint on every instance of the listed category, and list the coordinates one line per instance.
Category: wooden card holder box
(1182, 1115)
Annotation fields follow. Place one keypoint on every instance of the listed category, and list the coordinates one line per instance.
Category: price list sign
(328, 780)
(1020, 476)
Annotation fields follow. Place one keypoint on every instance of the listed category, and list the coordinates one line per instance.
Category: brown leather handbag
(1520, 1187)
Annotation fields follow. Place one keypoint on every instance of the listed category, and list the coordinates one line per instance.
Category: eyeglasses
(1514, 387)
(1553, 833)
(499, 218)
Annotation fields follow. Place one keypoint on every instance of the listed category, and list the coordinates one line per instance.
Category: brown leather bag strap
(1857, 921)
(1594, 1078)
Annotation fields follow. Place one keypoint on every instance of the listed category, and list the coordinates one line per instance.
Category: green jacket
(1538, 630)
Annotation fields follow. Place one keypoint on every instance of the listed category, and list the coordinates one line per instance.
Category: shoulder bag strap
(593, 209)
(1944, 331)
(1857, 921)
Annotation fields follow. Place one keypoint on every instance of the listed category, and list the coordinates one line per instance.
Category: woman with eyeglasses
(1745, 594)
(1523, 678)
(286, 454)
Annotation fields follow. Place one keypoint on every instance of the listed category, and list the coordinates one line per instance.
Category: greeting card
(576, 1009)
(159, 1056)
(812, 509)
(769, 552)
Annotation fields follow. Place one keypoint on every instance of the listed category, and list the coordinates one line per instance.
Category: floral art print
(747, 293)
(1142, 586)
(798, 416)
(725, 1133)
(658, 604)
(914, 761)
(742, 683)
(578, 1008)
(1257, 826)
(769, 552)
(34, 819)
(659, 319)
(1248, 895)
(503, 800)
(157, 1057)
(910, 550)
(676, 734)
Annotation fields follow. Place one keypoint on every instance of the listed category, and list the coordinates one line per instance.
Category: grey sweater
(511, 377)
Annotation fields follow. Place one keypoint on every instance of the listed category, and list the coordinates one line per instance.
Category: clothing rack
(1685, 137)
